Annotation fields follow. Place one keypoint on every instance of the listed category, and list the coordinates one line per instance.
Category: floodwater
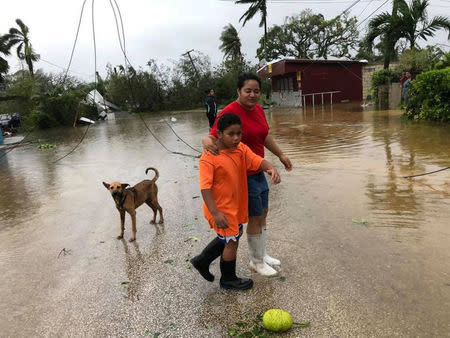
(364, 251)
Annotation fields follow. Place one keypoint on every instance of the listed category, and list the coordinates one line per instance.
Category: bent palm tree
(255, 7)
(231, 44)
(415, 24)
(20, 37)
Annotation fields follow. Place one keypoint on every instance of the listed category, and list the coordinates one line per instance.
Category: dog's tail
(156, 173)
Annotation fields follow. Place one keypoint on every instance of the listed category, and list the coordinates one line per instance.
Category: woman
(255, 134)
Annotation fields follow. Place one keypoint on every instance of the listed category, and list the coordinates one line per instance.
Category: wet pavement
(364, 251)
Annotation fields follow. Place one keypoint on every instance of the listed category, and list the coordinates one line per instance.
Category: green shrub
(37, 118)
(382, 77)
(417, 61)
(428, 96)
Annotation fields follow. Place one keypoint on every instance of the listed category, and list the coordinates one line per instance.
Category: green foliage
(417, 61)
(415, 23)
(179, 87)
(382, 77)
(428, 96)
(409, 22)
(385, 76)
(310, 35)
(20, 84)
(255, 7)
(44, 102)
(4, 51)
(443, 62)
(46, 146)
(231, 45)
(133, 90)
(249, 326)
(20, 38)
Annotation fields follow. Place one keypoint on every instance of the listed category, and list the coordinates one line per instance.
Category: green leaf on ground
(46, 146)
(361, 221)
(168, 261)
(193, 238)
(232, 332)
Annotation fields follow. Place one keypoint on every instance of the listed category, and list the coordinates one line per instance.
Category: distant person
(403, 78)
(211, 107)
(405, 87)
(223, 183)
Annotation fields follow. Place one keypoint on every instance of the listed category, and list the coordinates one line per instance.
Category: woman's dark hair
(227, 120)
(245, 77)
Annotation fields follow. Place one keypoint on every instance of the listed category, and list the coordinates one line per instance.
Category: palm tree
(415, 24)
(4, 50)
(255, 7)
(388, 28)
(406, 21)
(20, 37)
(231, 44)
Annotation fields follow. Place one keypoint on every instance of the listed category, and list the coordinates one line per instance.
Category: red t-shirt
(254, 127)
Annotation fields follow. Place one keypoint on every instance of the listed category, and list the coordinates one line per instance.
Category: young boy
(223, 183)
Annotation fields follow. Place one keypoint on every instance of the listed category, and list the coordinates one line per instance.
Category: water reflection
(377, 147)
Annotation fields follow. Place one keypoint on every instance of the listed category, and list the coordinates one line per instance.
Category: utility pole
(188, 53)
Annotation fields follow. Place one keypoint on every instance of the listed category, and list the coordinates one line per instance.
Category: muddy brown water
(364, 251)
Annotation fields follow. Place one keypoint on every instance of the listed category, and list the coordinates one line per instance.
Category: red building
(295, 82)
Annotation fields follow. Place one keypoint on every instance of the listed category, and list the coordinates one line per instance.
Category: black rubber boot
(211, 252)
(229, 280)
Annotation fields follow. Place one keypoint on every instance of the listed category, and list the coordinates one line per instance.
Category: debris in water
(64, 251)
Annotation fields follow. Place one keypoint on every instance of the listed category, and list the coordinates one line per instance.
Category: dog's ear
(124, 185)
(106, 185)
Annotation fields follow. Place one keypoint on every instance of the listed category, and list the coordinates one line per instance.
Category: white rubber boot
(255, 252)
(269, 260)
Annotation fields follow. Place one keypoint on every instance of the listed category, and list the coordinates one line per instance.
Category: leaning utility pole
(188, 53)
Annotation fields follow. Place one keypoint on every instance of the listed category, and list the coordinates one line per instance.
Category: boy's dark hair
(245, 77)
(227, 120)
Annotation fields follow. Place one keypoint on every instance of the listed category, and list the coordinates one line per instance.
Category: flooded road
(364, 251)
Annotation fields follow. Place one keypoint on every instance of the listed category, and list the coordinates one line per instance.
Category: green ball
(277, 320)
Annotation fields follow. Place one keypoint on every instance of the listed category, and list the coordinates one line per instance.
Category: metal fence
(321, 94)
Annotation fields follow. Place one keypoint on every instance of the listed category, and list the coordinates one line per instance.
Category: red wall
(325, 77)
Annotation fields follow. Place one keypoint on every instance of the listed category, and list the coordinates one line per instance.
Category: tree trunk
(390, 45)
(265, 39)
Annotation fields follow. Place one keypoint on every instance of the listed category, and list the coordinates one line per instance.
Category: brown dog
(129, 199)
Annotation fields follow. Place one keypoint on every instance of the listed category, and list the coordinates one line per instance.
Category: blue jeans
(258, 194)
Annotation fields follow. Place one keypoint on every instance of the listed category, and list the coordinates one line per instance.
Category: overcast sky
(160, 30)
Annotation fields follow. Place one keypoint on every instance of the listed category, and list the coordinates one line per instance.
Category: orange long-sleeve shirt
(226, 176)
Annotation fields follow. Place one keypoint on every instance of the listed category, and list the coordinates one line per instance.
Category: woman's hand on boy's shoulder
(209, 145)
